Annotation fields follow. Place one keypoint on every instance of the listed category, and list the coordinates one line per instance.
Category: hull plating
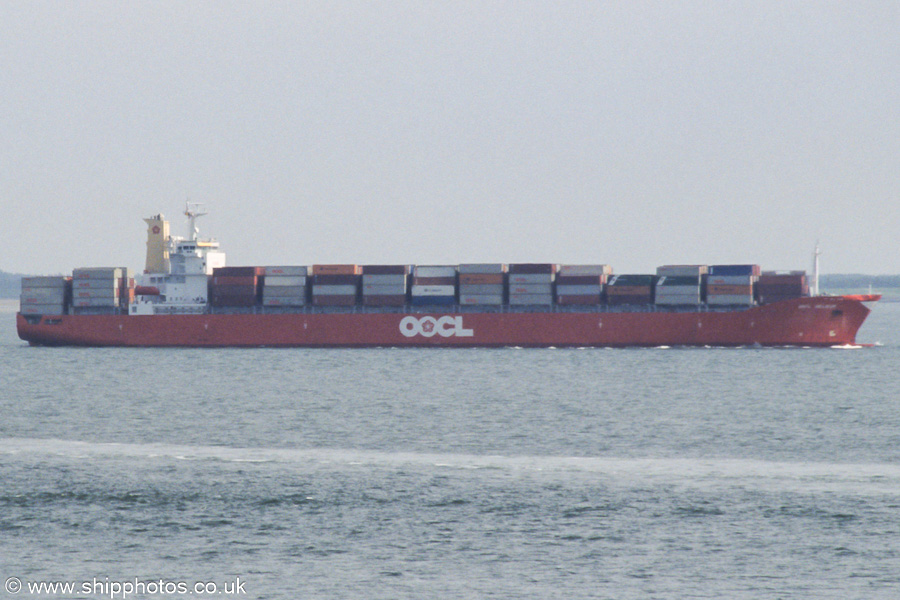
(821, 321)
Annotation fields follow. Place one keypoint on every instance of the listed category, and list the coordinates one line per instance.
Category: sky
(633, 133)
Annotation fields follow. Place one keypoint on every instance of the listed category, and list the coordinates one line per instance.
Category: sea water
(451, 473)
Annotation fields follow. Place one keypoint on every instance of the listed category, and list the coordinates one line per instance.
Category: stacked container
(581, 284)
(285, 286)
(335, 285)
(384, 285)
(624, 290)
(45, 295)
(235, 286)
(101, 287)
(679, 285)
(481, 284)
(773, 287)
(531, 283)
(731, 285)
(433, 285)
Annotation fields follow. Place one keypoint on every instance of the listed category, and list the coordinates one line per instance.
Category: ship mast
(814, 291)
(192, 212)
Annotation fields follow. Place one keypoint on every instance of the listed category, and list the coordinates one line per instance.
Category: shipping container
(284, 291)
(334, 300)
(432, 300)
(336, 270)
(353, 280)
(729, 290)
(433, 281)
(97, 273)
(579, 290)
(532, 268)
(334, 290)
(239, 271)
(629, 290)
(245, 280)
(481, 289)
(385, 270)
(45, 282)
(482, 269)
(285, 301)
(84, 302)
(682, 270)
(580, 279)
(576, 270)
(384, 300)
(42, 309)
(435, 271)
(530, 278)
(285, 281)
(731, 279)
(481, 299)
(730, 300)
(678, 281)
(630, 300)
(219, 301)
(632, 280)
(384, 290)
(384, 279)
(530, 299)
(234, 290)
(575, 299)
(287, 271)
(734, 270)
(96, 293)
(433, 290)
(43, 295)
(531, 288)
(481, 278)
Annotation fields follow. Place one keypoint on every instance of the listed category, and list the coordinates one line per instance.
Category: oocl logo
(445, 326)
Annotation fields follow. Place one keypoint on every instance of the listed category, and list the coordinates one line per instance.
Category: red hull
(822, 321)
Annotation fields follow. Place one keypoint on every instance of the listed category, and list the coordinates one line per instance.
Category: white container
(41, 309)
(285, 281)
(384, 290)
(433, 290)
(481, 289)
(334, 290)
(285, 301)
(44, 282)
(97, 273)
(730, 300)
(532, 288)
(435, 271)
(682, 270)
(530, 299)
(578, 290)
(284, 291)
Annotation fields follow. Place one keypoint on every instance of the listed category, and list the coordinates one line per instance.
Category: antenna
(815, 275)
(192, 212)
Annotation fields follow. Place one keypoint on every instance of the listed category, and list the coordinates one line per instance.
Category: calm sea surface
(386, 473)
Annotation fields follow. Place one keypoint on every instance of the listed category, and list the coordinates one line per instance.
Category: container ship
(188, 297)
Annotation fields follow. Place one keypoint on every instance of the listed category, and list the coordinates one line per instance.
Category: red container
(234, 290)
(434, 280)
(336, 270)
(234, 280)
(481, 278)
(580, 279)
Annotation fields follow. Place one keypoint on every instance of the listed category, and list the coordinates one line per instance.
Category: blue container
(731, 270)
(432, 300)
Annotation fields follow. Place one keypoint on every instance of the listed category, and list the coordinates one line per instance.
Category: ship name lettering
(445, 326)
